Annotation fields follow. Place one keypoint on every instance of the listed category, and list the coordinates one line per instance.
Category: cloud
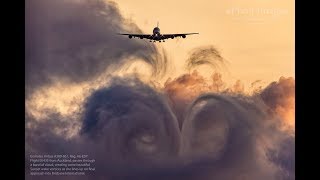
(226, 134)
(284, 158)
(133, 121)
(185, 88)
(182, 90)
(280, 97)
(76, 41)
(205, 55)
(215, 124)
(128, 123)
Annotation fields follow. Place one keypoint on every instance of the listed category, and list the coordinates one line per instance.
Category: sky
(256, 37)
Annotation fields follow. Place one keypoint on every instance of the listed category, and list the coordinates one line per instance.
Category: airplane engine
(130, 36)
(183, 36)
(141, 37)
(172, 37)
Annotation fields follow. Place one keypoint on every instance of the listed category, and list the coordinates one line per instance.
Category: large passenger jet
(157, 36)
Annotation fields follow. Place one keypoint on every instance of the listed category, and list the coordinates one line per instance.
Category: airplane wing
(141, 36)
(167, 36)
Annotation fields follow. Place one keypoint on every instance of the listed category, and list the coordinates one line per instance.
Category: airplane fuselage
(156, 31)
(156, 35)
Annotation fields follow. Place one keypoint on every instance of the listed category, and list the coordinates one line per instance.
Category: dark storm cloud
(41, 138)
(76, 40)
(133, 121)
(127, 127)
(279, 94)
(206, 55)
(284, 158)
(226, 133)
(130, 130)
(233, 135)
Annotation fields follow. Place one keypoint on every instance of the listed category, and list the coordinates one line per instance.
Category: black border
(306, 50)
(13, 93)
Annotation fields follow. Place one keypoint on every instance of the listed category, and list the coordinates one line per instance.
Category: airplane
(156, 35)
